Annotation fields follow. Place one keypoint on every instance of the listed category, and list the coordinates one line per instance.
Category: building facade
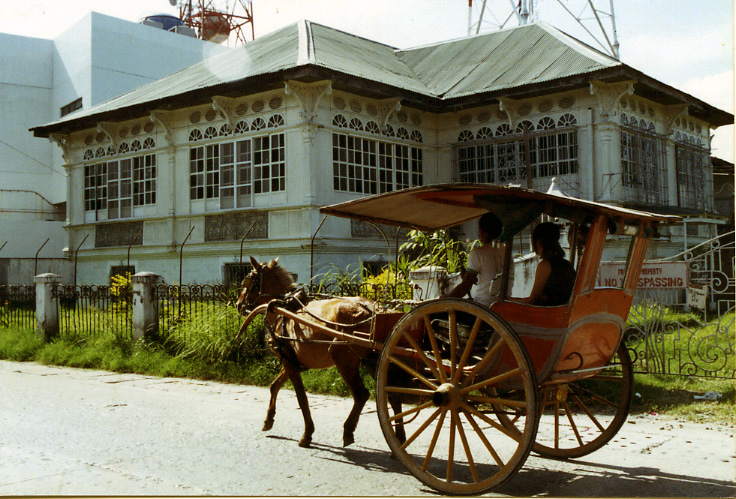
(233, 157)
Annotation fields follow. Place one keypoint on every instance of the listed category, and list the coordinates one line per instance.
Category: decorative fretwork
(359, 228)
(118, 234)
(233, 226)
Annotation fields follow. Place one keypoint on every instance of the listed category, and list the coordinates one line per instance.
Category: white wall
(98, 58)
(25, 98)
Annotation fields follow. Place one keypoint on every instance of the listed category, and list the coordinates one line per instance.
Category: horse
(301, 347)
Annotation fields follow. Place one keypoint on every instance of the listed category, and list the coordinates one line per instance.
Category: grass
(207, 348)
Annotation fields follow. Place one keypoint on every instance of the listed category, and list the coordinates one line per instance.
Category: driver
(485, 264)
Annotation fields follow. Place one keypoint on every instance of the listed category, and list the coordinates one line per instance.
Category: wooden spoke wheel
(441, 360)
(580, 417)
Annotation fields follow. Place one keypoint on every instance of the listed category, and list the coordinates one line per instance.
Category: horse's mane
(283, 276)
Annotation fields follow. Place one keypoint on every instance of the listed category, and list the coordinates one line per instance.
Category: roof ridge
(580, 45)
(463, 38)
(305, 43)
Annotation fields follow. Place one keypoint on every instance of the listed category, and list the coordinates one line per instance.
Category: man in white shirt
(485, 264)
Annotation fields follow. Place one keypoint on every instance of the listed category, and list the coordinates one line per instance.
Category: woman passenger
(555, 276)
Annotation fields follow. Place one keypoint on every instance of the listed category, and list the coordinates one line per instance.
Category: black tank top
(559, 284)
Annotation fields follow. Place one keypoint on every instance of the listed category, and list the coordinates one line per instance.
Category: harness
(294, 301)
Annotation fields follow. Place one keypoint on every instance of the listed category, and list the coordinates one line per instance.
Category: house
(236, 154)
(42, 80)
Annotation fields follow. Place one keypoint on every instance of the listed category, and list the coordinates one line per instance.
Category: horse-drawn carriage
(472, 389)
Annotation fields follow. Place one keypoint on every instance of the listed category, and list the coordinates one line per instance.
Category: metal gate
(670, 333)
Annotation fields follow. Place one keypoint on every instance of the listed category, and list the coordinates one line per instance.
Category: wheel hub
(446, 395)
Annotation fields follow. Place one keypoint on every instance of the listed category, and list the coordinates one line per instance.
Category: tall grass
(207, 346)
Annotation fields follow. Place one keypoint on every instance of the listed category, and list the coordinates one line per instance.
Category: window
(234, 273)
(694, 176)
(119, 189)
(643, 163)
(71, 107)
(122, 270)
(113, 188)
(95, 187)
(502, 157)
(233, 171)
(144, 180)
(368, 166)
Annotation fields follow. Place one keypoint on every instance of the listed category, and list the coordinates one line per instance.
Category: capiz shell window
(233, 171)
(113, 188)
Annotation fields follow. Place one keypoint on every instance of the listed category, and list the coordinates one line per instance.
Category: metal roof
(501, 60)
(531, 57)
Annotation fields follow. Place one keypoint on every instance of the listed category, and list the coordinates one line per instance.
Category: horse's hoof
(347, 440)
(305, 442)
(267, 426)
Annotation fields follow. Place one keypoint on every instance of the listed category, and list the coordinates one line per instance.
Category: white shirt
(487, 262)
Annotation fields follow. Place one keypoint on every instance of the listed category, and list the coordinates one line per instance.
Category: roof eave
(644, 86)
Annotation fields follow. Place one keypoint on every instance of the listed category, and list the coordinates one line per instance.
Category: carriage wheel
(440, 359)
(582, 416)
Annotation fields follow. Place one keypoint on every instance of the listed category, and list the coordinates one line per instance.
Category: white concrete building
(264, 135)
(41, 80)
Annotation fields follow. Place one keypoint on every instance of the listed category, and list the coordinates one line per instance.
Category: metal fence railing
(92, 310)
(195, 305)
(18, 306)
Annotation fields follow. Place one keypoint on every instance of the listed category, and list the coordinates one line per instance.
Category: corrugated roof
(272, 53)
(487, 63)
(363, 58)
(506, 59)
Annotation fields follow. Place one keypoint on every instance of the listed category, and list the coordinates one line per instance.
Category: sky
(687, 44)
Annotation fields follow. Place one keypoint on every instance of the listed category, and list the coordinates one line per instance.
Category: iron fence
(667, 335)
(18, 306)
(195, 304)
(380, 293)
(93, 310)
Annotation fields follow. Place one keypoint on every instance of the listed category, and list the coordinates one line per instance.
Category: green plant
(436, 248)
(122, 287)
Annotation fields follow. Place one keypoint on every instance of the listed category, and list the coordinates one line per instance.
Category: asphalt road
(80, 432)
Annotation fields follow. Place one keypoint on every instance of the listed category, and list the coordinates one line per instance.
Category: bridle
(254, 284)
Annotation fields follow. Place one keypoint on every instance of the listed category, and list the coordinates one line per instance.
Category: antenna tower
(592, 21)
(218, 23)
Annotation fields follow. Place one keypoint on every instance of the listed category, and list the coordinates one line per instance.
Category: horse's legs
(301, 396)
(348, 365)
(276, 385)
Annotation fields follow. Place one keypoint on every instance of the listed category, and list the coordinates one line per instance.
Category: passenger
(555, 276)
(485, 263)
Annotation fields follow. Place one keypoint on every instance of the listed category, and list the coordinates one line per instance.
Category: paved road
(79, 432)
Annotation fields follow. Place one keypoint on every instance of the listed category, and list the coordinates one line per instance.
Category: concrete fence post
(47, 306)
(145, 314)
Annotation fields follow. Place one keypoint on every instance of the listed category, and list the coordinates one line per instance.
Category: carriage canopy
(434, 207)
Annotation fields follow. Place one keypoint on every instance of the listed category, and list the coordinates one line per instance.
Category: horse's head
(262, 284)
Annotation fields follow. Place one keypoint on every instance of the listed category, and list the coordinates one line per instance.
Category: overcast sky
(687, 44)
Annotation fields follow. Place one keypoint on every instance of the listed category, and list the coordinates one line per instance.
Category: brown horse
(300, 347)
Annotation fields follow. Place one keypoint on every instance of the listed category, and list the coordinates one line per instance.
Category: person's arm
(544, 269)
(463, 288)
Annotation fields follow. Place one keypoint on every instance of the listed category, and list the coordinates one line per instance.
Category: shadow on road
(593, 480)
(603, 480)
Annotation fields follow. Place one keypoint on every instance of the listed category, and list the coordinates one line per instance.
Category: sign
(654, 275)
(696, 294)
